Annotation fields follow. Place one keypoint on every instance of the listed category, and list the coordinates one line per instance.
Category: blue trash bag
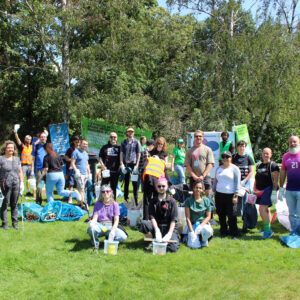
(119, 192)
(123, 211)
(70, 212)
(89, 192)
(51, 211)
(292, 240)
(31, 211)
(174, 180)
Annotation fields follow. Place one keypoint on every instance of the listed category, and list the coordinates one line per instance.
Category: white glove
(112, 234)
(281, 194)
(77, 174)
(167, 237)
(274, 197)
(46, 132)
(243, 182)
(93, 223)
(193, 236)
(198, 229)
(32, 173)
(21, 188)
(123, 169)
(172, 190)
(16, 128)
(158, 237)
(135, 170)
(91, 176)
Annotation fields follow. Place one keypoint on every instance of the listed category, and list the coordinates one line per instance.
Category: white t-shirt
(225, 177)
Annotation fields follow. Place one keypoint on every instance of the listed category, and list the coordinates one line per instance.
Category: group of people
(148, 159)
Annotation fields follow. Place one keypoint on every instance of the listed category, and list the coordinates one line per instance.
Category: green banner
(97, 133)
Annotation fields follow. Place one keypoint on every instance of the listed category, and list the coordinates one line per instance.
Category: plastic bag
(71, 212)
(31, 211)
(250, 216)
(51, 211)
(195, 244)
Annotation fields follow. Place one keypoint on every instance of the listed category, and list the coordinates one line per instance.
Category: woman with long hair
(105, 221)
(52, 165)
(11, 181)
(160, 149)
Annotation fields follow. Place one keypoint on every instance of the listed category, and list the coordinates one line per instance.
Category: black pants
(224, 207)
(146, 227)
(134, 184)
(113, 181)
(11, 195)
(149, 193)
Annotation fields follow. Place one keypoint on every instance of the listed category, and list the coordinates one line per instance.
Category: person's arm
(121, 158)
(172, 163)
(192, 174)
(207, 219)
(88, 168)
(188, 218)
(138, 159)
(275, 176)
(251, 171)
(154, 224)
(73, 160)
(103, 167)
(17, 139)
(20, 174)
(172, 226)
(206, 171)
(166, 159)
(282, 177)
(116, 222)
(67, 158)
(45, 170)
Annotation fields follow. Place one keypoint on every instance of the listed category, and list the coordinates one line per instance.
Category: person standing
(39, 153)
(198, 161)
(178, 161)
(11, 182)
(129, 160)
(110, 160)
(225, 145)
(291, 169)
(26, 158)
(75, 142)
(143, 141)
(80, 165)
(265, 187)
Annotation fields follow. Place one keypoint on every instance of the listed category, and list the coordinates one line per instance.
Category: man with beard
(225, 145)
(291, 168)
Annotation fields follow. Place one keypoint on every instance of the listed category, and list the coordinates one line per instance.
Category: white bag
(105, 173)
(194, 245)
(134, 177)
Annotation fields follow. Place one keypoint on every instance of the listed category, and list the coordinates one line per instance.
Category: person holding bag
(11, 181)
(265, 188)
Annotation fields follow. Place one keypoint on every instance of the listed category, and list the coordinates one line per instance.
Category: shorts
(71, 179)
(265, 199)
(81, 181)
(26, 170)
(206, 182)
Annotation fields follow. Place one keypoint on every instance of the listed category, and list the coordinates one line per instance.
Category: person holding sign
(129, 160)
(198, 161)
(110, 162)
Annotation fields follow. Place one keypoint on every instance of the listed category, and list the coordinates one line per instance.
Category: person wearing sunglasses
(110, 160)
(160, 149)
(105, 220)
(198, 162)
(163, 214)
(226, 185)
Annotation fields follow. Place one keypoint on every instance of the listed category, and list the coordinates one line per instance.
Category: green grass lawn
(56, 261)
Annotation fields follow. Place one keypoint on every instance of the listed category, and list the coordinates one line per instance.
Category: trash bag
(51, 211)
(31, 211)
(70, 212)
(283, 214)
(292, 240)
(89, 192)
(195, 244)
(119, 192)
(250, 216)
(123, 211)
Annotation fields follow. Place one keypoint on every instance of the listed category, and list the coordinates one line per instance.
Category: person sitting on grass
(105, 221)
(198, 214)
(163, 218)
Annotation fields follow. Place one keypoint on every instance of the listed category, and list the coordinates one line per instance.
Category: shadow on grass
(139, 244)
(79, 245)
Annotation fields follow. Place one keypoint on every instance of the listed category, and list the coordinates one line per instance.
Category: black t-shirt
(161, 154)
(110, 155)
(53, 163)
(263, 177)
(243, 162)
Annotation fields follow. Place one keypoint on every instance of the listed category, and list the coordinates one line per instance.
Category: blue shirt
(81, 160)
(39, 153)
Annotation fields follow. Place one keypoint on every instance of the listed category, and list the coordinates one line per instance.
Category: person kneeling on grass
(163, 218)
(105, 221)
(198, 215)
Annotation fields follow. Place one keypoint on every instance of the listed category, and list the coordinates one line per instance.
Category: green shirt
(197, 209)
(179, 156)
(143, 147)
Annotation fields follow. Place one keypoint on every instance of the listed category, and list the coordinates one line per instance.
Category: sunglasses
(161, 186)
(197, 136)
(106, 192)
(225, 156)
(113, 137)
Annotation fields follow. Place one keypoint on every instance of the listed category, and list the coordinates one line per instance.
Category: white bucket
(134, 177)
(241, 192)
(133, 217)
(159, 248)
(111, 247)
(105, 173)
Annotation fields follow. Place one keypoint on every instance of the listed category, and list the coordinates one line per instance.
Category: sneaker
(15, 226)
(148, 247)
(204, 244)
(5, 226)
(267, 235)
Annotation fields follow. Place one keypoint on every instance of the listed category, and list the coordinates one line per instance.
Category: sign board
(59, 135)
(97, 133)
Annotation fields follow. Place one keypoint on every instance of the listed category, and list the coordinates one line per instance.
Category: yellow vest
(155, 167)
(26, 157)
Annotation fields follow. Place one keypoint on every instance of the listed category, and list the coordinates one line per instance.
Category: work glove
(281, 194)
(46, 132)
(77, 174)
(91, 176)
(16, 128)
(172, 190)
(112, 234)
(21, 188)
(167, 237)
(123, 169)
(93, 223)
(243, 183)
(135, 170)
(158, 237)
(193, 236)
(274, 197)
(198, 229)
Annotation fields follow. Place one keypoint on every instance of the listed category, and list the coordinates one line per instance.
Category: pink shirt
(291, 164)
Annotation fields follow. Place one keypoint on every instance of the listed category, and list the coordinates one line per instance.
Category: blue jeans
(98, 232)
(57, 179)
(293, 203)
(180, 170)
